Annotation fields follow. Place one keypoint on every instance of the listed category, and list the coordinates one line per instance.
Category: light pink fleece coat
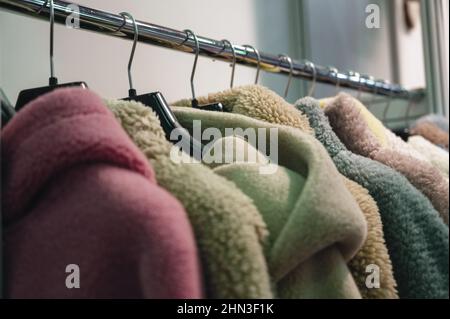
(75, 190)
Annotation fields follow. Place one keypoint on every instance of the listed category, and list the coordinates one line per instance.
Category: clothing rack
(114, 25)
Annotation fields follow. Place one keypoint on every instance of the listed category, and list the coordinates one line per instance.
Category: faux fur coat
(416, 237)
(228, 228)
(263, 104)
(344, 114)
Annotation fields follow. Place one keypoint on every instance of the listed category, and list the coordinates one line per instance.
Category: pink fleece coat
(75, 190)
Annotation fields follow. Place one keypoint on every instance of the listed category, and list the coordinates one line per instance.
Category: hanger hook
(194, 67)
(332, 70)
(375, 91)
(233, 66)
(411, 103)
(53, 80)
(291, 72)
(388, 104)
(258, 56)
(132, 91)
(312, 66)
(360, 78)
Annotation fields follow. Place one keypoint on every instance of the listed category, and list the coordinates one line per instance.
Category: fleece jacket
(345, 117)
(261, 103)
(313, 220)
(80, 201)
(274, 193)
(438, 120)
(432, 133)
(436, 155)
(416, 237)
(385, 137)
(228, 228)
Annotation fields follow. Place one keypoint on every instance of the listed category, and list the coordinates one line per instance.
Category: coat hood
(76, 122)
(325, 214)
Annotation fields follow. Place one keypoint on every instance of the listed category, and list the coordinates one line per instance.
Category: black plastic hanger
(7, 109)
(218, 107)
(28, 95)
(158, 103)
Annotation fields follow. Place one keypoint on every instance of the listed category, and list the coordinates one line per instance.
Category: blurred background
(410, 47)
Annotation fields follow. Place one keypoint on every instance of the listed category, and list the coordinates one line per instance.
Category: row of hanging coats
(98, 200)
(93, 183)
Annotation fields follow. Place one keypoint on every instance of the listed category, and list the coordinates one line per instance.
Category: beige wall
(101, 61)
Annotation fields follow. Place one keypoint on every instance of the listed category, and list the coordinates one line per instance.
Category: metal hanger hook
(411, 103)
(52, 80)
(388, 104)
(360, 78)
(233, 66)
(197, 52)
(335, 71)
(130, 62)
(312, 89)
(258, 56)
(375, 92)
(291, 72)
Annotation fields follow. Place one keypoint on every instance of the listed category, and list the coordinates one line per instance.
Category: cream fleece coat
(417, 239)
(351, 127)
(228, 228)
(315, 226)
(261, 103)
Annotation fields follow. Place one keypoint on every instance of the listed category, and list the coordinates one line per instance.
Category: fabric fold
(416, 237)
(318, 215)
(260, 103)
(79, 196)
(348, 123)
(228, 228)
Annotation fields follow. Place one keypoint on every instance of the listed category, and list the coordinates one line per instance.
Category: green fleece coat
(261, 103)
(315, 225)
(417, 239)
(228, 228)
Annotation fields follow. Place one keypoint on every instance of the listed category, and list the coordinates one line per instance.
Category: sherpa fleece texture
(274, 193)
(437, 120)
(260, 103)
(385, 137)
(312, 218)
(417, 239)
(347, 122)
(432, 133)
(436, 155)
(75, 190)
(228, 228)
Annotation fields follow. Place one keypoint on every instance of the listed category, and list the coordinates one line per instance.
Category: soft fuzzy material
(260, 103)
(436, 155)
(385, 137)
(228, 228)
(374, 251)
(435, 119)
(75, 190)
(375, 126)
(432, 133)
(417, 239)
(312, 218)
(348, 123)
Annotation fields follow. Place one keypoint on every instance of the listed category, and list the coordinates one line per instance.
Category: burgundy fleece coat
(75, 190)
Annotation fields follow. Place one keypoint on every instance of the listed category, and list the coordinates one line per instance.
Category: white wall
(101, 61)
(410, 48)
